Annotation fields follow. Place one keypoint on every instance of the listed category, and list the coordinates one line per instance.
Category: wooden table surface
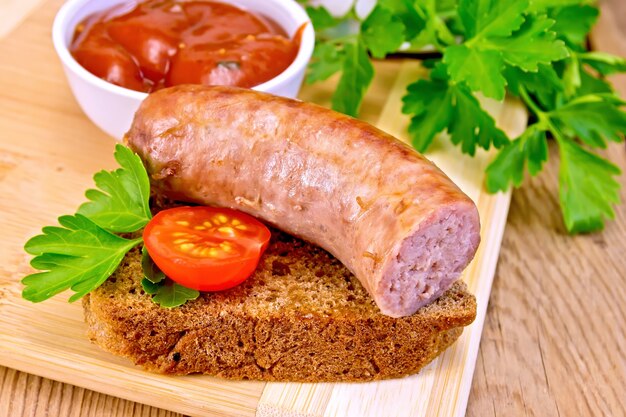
(554, 342)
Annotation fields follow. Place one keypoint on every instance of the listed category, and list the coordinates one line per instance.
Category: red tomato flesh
(206, 248)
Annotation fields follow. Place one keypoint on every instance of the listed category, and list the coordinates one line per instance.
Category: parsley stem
(445, 33)
(541, 115)
(556, 133)
(447, 14)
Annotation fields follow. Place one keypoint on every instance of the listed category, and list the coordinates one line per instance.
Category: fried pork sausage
(386, 212)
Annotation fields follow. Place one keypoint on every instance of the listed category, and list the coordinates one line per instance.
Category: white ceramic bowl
(112, 107)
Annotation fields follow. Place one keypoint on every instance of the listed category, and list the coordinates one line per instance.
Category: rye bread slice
(302, 316)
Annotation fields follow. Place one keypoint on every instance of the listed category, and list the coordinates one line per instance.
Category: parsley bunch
(86, 249)
(535, 49)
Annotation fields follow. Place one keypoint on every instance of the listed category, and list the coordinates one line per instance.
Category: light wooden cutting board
(48, 154)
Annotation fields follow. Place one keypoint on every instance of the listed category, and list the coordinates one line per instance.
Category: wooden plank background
(554, 338)
(554, 342)
(56, 171)
(53, 167)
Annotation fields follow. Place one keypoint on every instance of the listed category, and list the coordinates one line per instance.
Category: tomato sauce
(158, 44)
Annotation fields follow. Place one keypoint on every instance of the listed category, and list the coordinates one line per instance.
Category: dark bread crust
(301, 317)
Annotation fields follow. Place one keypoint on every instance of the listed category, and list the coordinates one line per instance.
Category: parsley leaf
(426, 28)
(168, 293)
(430, 104)
(498, 32)
(471, 126)
(574, 22)
(530, 149)
(481, 69)
(326, 61)
(121, 203)
(382, 32)
(604, 63)
(358, 73)
(593, 118)
(545, 5)
(151, 271)
(487, 18)
(437, 104)
(532, 44)
(533, 48)
(79, 255)
(592, 85)
(150, 287)
(413, 21)
(587, 188)
(545, 84)
(320, 17)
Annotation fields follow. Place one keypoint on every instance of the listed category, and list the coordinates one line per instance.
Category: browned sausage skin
(390, 215)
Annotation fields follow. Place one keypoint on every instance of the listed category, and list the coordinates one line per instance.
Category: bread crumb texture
(302, 316)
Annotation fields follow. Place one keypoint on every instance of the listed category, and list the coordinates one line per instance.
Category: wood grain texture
(27, 395)
(48, 338)
(544, 353)
(554, 338)
(23, 394)
(49, 154)
(13, 12)
(53, 167)
(554, 342)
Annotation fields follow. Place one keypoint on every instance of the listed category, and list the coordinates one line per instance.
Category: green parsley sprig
(79, 255)
(85, 250)
(121, 204)
(165, 292)
(533, 49)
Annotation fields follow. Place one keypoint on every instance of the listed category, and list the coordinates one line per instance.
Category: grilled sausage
(386, 212)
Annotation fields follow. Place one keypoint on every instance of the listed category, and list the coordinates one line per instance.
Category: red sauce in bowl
(160, 43)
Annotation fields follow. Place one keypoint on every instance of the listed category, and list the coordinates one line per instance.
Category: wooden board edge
(501, 206)
(74, 374)
(67, 367)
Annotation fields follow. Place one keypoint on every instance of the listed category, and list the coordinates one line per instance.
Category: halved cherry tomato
(206, 248)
